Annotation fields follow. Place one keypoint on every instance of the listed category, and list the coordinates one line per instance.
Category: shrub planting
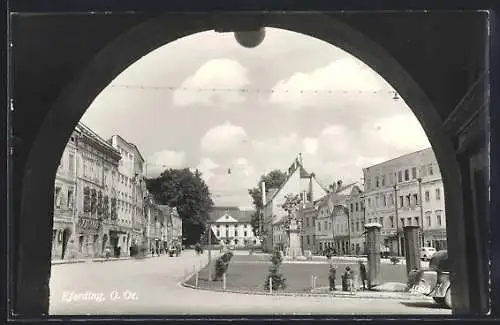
(394, 260)
(278, 281)
(221, 265)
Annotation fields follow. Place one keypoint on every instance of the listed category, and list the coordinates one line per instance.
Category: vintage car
(434, 281)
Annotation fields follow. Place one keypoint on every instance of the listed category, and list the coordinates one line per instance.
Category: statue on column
(293, 224)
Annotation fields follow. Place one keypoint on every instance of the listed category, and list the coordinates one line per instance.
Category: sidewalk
(97, 259)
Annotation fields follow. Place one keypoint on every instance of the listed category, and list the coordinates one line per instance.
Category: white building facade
(64, 241)
(232, 226)
(129, 189)
(393, 199)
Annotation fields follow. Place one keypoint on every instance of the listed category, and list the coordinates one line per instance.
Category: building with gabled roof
(298, 181)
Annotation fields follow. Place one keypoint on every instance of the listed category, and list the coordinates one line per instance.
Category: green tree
(273, 179)
(188, 192)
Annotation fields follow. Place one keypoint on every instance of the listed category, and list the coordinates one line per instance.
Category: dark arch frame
(74, 100)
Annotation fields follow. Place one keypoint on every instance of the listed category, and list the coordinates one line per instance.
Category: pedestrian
(331, 277)
(362, 274)
(348, 275)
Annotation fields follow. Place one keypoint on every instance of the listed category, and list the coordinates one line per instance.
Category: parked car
(434, 281)
(426, 253)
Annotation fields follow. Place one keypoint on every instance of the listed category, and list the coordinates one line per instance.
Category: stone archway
(60, 120)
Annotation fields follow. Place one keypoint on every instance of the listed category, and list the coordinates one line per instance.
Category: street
(151, 286)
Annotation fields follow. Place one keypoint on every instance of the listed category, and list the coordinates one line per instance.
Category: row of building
(407, 190)
(101, 200)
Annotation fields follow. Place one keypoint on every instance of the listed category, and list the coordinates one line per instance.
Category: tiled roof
(235, 212)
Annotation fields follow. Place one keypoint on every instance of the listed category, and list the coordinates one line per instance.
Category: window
(236, 233)
(326, 225)
(381, 221)
(383, 180)
(401, 201)
(357, 206)
(403, 222)
(377, 182)
(391, 199)
(400, 176)
(369, 202)
(385, 200)
(357, 226)
(416, 221)
(415, 199)
(391, 218)
(427, 196)
(414, 172)
(438, 194)
(244, 226)
(218, 233)
(319, 226)
(71, 163)
(307, 222)
(308, 240)
(57, 197)
(227, 233)
(431, 172)
(352, 207)
(409, 221)
(439, 221)
(428, 221)
(70, 198)
(407, 175)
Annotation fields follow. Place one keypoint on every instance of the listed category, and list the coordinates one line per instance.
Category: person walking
(362, 274)
(331, 277)
(348, 278)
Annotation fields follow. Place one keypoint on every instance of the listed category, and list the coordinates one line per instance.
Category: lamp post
(364, 221)
(209, 251)
(348, 230)
(397, 217)
(421, 210)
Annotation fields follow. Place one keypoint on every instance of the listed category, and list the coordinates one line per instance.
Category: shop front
(61, 236)
(89, 236)
(436, 238)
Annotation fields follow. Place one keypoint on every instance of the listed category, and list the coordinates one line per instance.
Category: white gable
(226, 218)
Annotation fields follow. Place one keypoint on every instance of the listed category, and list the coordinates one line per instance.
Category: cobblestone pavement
(152, 287)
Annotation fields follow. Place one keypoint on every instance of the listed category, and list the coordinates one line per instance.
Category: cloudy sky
(206, 102)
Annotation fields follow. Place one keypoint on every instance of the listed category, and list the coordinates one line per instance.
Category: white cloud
(206, 167)
(223, 138)
(165, 159)
(310, 145)
(343, 82)
(214, 74)
(403, 132)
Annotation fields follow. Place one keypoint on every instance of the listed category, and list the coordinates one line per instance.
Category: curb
(286, 294)
(97, 260)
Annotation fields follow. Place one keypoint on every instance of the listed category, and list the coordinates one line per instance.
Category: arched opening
(119, 54)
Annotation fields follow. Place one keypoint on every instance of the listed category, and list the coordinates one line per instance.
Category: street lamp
(397, 217)
(421, 210)
(362, 197)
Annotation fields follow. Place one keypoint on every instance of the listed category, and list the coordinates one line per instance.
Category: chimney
(263, 190)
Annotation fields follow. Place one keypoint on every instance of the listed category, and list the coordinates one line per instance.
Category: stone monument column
(412, 244)
(295, 247)
(373, 252)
